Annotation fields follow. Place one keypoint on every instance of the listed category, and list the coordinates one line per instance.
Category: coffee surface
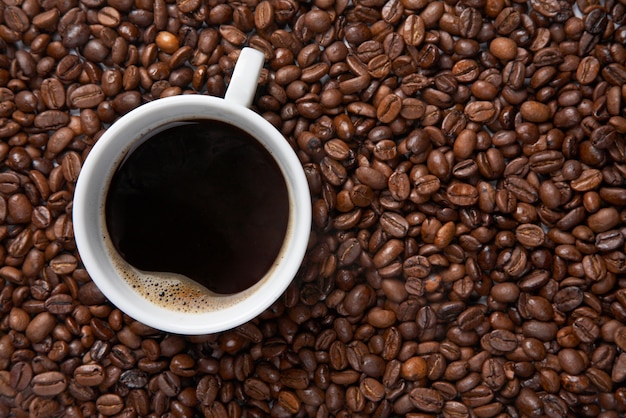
(203, 199)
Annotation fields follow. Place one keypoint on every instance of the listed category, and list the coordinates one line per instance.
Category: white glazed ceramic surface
(221, 312)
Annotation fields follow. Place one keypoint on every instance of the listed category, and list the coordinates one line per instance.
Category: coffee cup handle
(245, 78)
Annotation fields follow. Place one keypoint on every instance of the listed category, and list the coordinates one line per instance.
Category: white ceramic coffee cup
(124, 285)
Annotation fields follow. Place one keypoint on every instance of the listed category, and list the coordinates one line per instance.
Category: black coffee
(203, 199)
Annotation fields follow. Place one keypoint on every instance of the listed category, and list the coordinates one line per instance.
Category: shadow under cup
(169, 301)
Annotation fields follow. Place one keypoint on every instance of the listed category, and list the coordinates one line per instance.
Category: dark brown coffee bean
(349, 251)
(70, 67)
(480, 111)
(471, 318)
(546, 162)
(371, 177)
(289, 401)
(603, 220)
(19, 208)
(357, 299)
(521, 189)
(8, 128)
(109, 404)
(609, 240)
(389, 108)
(89, 374)
(51, 120)
(568, 299)
(86, 96)
(588, 69)
(50, 383)
(588, 180)
(40, 326)
(427, 400)
(127, 101)
(427, 185)
(337, 149)
(20, 375)
(413, 30)
(530, 235)
(207, 390)
(544, 331)
(416, 266)
(71, 166)
(503, 340)
(465, 169)
(59, 304)
(465, 70)
(533, 111)
(394, 224)
(586, 330)
(108, 16)
(53, 93)
(372, 389)
(294, 378)
(615, 74)
(462, 194)
(16, 19)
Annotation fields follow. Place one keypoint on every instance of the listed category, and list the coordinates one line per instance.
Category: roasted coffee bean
(53, 93)
(503, 48)
(427, 185)
(588, 180)
(389, 108)
(588, 69)
(49, 383)
(89, 374)
(530, 235)
(480, 111)
(609, 240)
(109, 404)
(462, 194)
(427, 400)
(51, 119)
(86, 96)
(59, 304)
(16, 19)
(126, 101)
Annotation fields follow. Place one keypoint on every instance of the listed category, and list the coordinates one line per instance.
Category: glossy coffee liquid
(203, 199)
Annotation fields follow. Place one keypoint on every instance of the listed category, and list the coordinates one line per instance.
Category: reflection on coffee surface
(203, 199)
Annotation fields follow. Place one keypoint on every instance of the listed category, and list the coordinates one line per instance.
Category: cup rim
(90, 193)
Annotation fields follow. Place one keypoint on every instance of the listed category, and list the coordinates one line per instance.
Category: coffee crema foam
(170, 291)
(176, 292)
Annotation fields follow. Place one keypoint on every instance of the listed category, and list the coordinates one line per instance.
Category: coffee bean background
(467, 162)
